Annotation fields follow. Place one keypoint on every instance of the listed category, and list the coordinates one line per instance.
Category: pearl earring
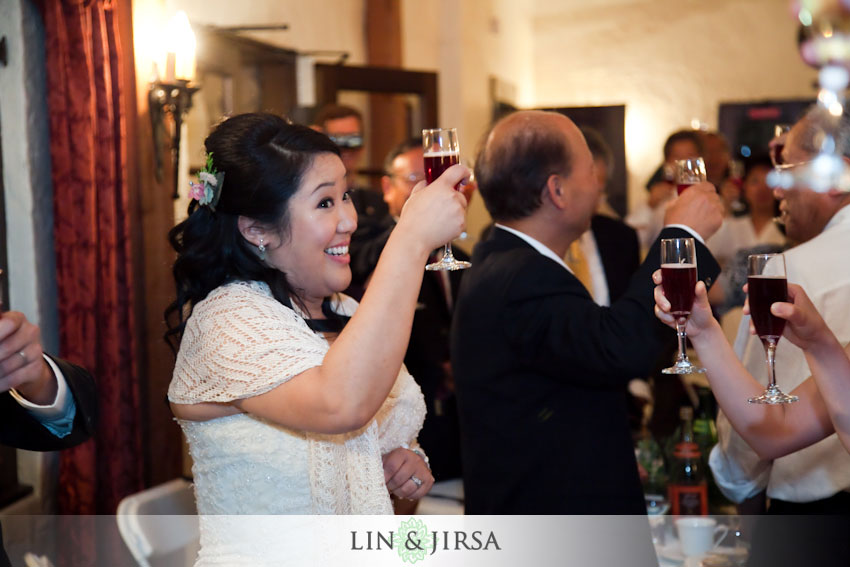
(262, 249)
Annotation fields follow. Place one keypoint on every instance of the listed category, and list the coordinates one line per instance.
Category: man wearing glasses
(814, 480)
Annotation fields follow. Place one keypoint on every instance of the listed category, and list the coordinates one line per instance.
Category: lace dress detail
(241, 342)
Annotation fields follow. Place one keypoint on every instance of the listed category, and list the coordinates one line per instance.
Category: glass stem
(447, 252)
(770, 351)
(683, 337)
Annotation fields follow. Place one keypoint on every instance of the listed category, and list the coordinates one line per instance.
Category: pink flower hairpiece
(208, 191)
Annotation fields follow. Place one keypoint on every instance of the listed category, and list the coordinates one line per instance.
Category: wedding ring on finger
(416, 480)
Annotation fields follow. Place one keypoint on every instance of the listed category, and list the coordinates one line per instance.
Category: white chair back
(160, 525)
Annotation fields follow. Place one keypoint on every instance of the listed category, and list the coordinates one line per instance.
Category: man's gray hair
(816, 124)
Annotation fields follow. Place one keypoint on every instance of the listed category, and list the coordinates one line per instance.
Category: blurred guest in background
(540, 369)
(755, 228)
(715, 154)
(739, 236)
(605, 257)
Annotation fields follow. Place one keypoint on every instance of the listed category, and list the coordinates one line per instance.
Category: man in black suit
(427, 357)
(46, 404)
(540, 369)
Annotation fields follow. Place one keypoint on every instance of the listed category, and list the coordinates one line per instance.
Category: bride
(293, 399)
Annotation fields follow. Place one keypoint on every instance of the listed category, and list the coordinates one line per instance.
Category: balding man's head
(520, 153)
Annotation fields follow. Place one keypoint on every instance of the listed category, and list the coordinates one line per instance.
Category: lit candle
(170, 65)
(181, 50)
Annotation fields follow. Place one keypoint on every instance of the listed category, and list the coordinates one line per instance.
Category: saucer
(671, 554)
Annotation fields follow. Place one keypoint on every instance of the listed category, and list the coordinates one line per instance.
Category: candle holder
(175, 99)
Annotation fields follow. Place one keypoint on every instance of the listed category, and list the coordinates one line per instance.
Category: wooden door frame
(331, 79)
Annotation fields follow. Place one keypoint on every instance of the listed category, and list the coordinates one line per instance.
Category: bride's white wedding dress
(241, 342)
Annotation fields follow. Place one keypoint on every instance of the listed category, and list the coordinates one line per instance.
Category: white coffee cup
(699, 535)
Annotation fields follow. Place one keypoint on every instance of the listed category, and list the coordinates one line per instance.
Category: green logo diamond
(412, 540)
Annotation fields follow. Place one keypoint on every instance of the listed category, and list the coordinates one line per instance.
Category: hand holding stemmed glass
(441, 151)
(679, 273)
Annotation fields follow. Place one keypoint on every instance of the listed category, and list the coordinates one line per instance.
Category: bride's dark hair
(263, 158)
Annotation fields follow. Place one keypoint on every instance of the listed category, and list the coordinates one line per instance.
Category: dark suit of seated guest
(541, 370)
(46, 404)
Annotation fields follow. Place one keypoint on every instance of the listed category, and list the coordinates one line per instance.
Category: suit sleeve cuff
(57, 417)
(688, 229)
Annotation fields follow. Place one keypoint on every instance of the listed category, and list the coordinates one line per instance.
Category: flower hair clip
(208, 191)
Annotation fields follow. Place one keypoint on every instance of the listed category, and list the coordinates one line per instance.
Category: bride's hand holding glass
(436, 213)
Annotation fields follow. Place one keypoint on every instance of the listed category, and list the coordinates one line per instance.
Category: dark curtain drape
(88, 148)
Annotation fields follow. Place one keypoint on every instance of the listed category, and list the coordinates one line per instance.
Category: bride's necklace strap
(334, 325)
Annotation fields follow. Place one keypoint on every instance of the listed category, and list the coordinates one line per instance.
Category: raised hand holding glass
(442, 150)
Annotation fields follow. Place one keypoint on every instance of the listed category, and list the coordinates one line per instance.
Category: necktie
(577, 262)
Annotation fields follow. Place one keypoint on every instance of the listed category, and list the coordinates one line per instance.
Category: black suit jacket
(19, 429)
(619, 250)
(541, 373)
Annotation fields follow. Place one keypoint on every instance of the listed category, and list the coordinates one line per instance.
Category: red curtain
(88, 148)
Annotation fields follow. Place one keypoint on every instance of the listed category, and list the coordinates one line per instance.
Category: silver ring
(415, 480)
(24, 356)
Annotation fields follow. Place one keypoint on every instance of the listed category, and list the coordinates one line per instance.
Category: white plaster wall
(313, 25)
(468, 42)
(27, 193)
(668, 61)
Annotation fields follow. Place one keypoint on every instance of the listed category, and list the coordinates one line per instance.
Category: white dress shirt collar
(536, 244)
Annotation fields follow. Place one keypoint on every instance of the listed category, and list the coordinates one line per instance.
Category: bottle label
(689, 500)
(687, 451)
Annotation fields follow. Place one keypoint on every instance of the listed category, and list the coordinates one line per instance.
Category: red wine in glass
(437, 163)
(679, 281)
(767, 284)
(441, 151)
(680, 187)
(679, 273)
(765, 291)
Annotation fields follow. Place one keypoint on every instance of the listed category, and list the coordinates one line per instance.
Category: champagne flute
(688, 172)
(442, 150)
(767, 285)
(679, 273)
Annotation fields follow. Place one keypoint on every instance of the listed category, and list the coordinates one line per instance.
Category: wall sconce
(173, 95)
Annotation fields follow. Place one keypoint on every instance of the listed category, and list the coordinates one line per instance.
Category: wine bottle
(687, 488)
